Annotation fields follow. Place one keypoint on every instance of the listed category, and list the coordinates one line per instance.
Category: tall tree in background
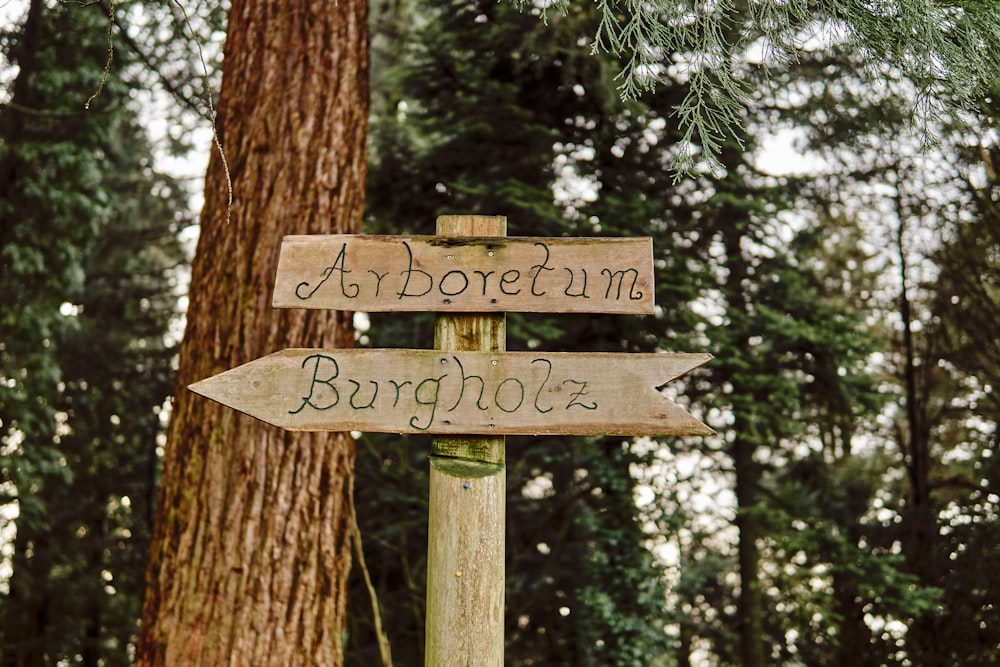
(89, 247)
(947, 423)
(934, 502)
(251, 547)
(966, 303)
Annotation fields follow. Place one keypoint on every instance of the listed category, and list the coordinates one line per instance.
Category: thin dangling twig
(211, 108)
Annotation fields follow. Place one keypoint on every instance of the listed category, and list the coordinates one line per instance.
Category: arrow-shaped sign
(435, 391)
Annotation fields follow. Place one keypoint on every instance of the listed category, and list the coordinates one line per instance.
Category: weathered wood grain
(466, 526)
(453, 392)
(465, 274)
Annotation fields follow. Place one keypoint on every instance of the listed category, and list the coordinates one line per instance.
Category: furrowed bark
(251, 546)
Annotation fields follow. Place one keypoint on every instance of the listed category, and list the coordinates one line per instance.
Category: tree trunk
(251, 546)
(746, 441)
(750, 605)
(22, 635)
(920, 520)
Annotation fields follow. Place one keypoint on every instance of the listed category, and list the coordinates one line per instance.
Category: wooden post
(467, 511)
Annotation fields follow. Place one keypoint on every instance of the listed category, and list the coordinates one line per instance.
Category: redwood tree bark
(251, 547)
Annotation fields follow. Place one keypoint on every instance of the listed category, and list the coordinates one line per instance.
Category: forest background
(847, 510)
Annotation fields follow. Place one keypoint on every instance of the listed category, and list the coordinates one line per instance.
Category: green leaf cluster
(949, 50)
(90, 264)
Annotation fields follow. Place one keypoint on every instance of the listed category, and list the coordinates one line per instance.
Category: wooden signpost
(465, 274)
(469, 390)
(476, 393)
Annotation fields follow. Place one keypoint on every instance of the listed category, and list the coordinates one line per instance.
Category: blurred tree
(947, 427)
(90, 246)
(913, 209)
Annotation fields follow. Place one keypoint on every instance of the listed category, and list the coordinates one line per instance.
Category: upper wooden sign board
(466, 274)
(435, 391)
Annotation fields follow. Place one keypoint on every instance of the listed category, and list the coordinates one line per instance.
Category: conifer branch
(949, 49)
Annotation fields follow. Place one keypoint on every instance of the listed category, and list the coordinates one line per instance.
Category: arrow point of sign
(229, 387)
(681, 421)
(689, 425)
(203, 388)
(210, 389)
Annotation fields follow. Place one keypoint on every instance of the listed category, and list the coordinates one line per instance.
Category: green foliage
(50, 206)
(629, 629)
(949, 50)
(90, 249)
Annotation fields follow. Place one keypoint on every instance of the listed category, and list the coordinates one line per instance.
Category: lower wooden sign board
(475, 393)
